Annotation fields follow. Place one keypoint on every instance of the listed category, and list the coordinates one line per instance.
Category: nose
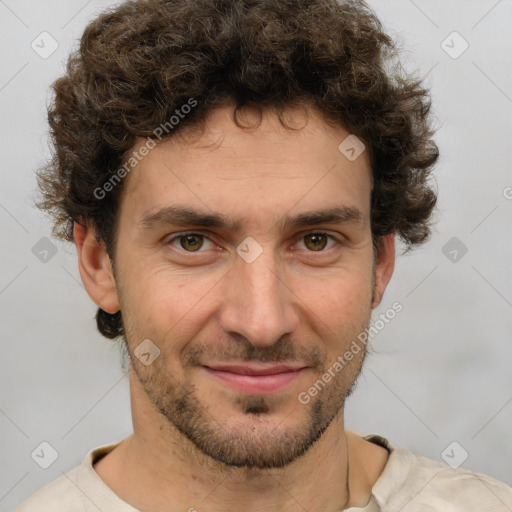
(258, 303)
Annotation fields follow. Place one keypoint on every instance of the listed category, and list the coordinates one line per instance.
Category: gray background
(441, 369)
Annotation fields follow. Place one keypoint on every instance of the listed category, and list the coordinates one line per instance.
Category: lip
(256, 379)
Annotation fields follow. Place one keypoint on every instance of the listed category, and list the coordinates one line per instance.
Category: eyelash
(337, 241)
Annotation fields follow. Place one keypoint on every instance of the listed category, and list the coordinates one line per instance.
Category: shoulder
(460, 489)
(79, 490)
(60, 495)
(415, 483)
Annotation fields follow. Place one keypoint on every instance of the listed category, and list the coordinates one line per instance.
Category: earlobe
(95, 268)
(384, 267)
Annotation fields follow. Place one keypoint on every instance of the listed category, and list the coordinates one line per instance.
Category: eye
(190, 242)
(193, 242)
(317, 241)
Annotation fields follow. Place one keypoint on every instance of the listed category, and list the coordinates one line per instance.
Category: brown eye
(191, 243)
(316, 241)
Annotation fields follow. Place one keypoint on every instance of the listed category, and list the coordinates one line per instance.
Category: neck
(158, 466)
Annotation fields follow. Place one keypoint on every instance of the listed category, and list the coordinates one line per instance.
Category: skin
(197, 442)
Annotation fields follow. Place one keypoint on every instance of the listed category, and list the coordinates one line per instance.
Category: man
(233, 175)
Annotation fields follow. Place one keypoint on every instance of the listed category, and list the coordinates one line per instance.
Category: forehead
(270, 167)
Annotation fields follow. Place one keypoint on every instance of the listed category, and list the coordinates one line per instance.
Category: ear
(384, 267)
(95, 268)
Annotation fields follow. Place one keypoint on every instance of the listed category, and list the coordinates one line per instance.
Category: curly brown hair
(140, 61)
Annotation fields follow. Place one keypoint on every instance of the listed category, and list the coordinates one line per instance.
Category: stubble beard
(259, 446)
(258, 443)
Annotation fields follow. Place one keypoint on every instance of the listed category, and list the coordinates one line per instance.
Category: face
(247, 252)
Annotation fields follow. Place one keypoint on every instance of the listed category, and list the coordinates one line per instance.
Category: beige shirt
(408, 483)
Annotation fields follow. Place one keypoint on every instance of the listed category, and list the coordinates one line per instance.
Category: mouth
(259, 379)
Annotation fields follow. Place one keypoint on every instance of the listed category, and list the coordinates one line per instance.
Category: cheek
(343, 290)
(164, 303)
(161, 303)
(337, 308)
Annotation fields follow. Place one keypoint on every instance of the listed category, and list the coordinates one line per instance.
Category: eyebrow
(179, 215)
